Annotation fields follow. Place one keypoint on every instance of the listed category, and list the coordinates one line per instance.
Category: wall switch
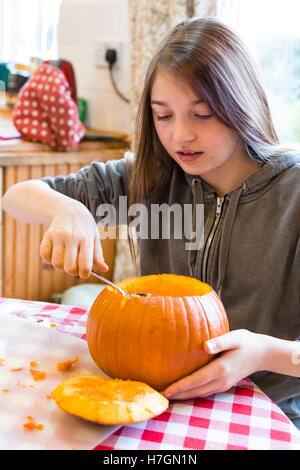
(100, 51)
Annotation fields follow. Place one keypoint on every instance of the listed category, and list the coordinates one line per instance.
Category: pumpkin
(107, 401)
(157, 339)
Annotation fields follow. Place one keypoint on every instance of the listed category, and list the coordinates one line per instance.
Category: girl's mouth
(189, 157)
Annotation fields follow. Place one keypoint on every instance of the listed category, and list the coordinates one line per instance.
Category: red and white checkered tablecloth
(242, 418)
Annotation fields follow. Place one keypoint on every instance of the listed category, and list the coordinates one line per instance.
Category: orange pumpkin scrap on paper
(37, 375)
(157, 339)
(67, 365)
(31, 425)
(109, 401)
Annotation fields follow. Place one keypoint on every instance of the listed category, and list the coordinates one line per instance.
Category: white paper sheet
(21, 342)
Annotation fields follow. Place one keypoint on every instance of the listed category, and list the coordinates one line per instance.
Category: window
(28, 28)
(271, 30)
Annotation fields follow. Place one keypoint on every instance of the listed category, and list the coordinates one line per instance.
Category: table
(243, 418)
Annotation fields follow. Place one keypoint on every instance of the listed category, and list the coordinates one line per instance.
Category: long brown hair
(212, 59)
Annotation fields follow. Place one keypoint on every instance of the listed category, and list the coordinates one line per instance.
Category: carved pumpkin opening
(168, 285)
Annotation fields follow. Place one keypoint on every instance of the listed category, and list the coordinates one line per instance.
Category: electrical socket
(100, 51)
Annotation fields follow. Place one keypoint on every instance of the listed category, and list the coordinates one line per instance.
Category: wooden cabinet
(24, 275)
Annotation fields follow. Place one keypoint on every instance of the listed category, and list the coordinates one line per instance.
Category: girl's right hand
(72, 243)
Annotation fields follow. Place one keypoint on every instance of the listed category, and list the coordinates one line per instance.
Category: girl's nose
(183, 133)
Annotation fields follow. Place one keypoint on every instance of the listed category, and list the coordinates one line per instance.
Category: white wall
(82, 24)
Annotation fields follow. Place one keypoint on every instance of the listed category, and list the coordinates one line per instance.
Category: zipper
(220, 201)
(191, 263)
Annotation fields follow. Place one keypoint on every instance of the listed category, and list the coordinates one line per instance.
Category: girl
(204, 136)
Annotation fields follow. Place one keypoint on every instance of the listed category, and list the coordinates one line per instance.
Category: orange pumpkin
(108, 401)
(159, 339)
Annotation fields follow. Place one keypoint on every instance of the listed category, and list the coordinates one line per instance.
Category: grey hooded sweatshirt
(250, 254)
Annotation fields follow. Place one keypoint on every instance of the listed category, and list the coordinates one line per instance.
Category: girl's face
(194, 137)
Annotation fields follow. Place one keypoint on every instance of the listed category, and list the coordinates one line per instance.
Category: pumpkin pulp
(99, 388)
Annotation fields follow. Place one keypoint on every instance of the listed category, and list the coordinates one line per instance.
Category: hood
(256, 182)
(252, 188)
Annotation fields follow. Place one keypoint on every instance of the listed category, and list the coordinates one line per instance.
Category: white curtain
(229, 11)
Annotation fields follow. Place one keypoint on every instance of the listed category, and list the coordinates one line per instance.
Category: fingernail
(105, 265)
(166, 394)
(211, 346)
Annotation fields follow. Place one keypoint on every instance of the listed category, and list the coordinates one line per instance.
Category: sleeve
(100, 187)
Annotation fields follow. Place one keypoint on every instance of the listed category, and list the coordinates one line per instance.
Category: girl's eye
(163, 118)
(168, 116)
(204, 116)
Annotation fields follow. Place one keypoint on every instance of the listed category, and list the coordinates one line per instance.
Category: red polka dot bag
(45, 111)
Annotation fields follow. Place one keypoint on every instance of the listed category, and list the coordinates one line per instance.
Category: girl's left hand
(242, 354)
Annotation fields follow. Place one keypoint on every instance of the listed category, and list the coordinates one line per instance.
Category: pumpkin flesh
(107, 401)
(156, 340)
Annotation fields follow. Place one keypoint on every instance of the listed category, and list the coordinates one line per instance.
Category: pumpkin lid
(109, 401)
